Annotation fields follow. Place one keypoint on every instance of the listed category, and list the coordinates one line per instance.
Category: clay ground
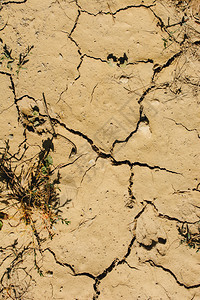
(121, 84)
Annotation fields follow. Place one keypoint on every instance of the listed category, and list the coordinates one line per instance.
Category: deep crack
(152, 263)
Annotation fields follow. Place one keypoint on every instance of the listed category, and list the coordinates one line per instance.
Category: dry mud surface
(121, 106)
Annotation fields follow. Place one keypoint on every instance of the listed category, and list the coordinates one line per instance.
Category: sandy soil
(121, 84)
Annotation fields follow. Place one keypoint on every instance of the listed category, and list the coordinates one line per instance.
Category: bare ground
(115, 87)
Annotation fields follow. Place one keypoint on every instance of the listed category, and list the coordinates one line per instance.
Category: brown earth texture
(100, 149)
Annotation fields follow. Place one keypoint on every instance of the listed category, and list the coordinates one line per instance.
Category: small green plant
(32, 193)
(12, 63)
(6, 55)
(29, 199)
(169, 40)
(189, 238)
(23, 59)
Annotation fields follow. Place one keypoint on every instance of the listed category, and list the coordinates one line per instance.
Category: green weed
(14, 64)
(192, 240)
(32, 193)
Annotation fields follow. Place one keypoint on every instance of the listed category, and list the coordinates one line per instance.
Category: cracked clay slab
(105, 95)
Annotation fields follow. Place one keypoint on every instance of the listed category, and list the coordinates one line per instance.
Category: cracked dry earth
(121, 83)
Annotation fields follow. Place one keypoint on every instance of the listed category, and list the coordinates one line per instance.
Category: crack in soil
(145, 61)
(108, 270)
(180, 124)
(152, 263)
(75, 24)
(167, 64)
(164, 27)
(14, 2)
(102, 154)
(109, 155)
(142, 119)
(161, 24)
(116, 261)
(110, 12)
(164, 216)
